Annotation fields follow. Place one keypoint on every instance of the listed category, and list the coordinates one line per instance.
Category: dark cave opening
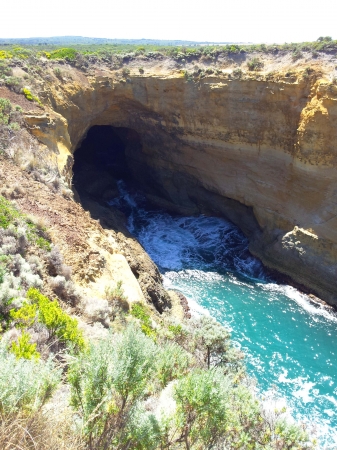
(101, 160)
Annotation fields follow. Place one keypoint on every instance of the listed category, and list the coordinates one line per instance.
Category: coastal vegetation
(185, 50)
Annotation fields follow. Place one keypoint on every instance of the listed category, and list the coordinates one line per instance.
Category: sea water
(290, 344)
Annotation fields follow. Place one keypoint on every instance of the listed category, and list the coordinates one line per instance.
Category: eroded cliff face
(261, 151)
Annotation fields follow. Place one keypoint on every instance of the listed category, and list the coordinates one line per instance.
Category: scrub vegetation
(120, 388)
(183, 50)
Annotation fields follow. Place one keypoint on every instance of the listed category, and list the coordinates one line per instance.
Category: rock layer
(260, 152)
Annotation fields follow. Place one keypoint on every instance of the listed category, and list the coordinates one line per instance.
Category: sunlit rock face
(261, 153)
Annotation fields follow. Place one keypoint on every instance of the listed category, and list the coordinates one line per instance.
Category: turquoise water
(291, 345)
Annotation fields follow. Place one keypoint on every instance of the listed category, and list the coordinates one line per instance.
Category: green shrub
(176, 330)
(237, 73)
(188, 76)
(21, 52)
(6, 109)
(5, 70)
(25, 384)
(125, 72)
(58, 72)
(255, 64)
(290, 435)
(24, 349)
(2, 272)
(138, 310)
(117, 299)
(29, 96)
(12, 82)
(202, 407)
(212, 411)
(57, 321)
(107, 381)
(180, 334)
(297, 54)
(63, 53)
(234, 49)
(116, 293)
(50, 314)
(5, 55)
(142, 431)
(14, 126)
(172, 362)
(43, 243)
(8, 214)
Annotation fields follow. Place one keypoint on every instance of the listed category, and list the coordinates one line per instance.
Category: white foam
(300, 299)
(304, 392)
(331, 399)
(196, 308)
(175, 243)
(170, 282)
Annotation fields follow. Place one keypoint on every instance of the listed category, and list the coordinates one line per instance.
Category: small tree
(202, 408)
(213, 339)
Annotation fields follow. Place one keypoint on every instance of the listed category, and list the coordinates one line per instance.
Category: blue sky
(207, 20)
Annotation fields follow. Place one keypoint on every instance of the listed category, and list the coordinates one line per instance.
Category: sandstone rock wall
(260, 152)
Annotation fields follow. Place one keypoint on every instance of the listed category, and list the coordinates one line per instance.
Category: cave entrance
(101, 159)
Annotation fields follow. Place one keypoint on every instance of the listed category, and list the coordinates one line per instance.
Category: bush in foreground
(114, 382)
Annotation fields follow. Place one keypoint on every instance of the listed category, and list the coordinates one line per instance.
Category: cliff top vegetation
(51, 48)
(25, 69)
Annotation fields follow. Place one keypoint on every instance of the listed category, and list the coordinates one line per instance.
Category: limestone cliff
(259, 149)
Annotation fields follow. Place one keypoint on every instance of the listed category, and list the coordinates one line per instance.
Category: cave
(107, 154)
(101, 159)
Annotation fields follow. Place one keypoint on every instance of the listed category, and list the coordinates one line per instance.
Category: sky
(199, 20)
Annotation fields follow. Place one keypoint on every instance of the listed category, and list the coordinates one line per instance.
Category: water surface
(291, 345)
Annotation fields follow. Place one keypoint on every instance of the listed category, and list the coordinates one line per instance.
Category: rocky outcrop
(99, 253)
(258, 150)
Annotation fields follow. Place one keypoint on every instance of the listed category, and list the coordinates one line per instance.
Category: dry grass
(39, 221)
(38, 432)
